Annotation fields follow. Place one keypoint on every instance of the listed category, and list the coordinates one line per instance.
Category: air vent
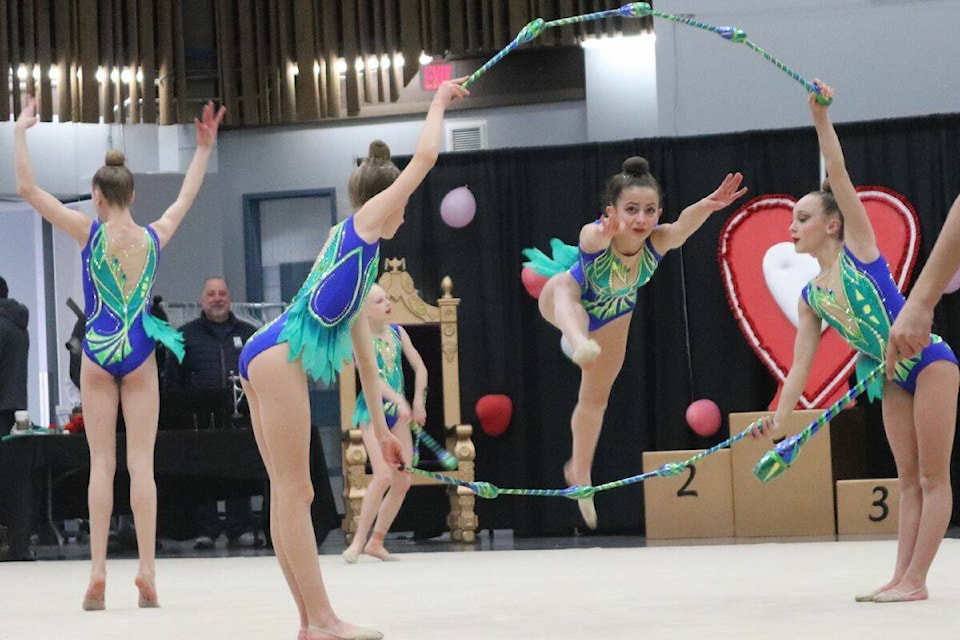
(467, 136)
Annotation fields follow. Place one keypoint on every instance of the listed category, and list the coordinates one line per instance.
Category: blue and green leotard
(317, 323)
(390, 366)
(873, 302)
(121, 333)
(607, 290)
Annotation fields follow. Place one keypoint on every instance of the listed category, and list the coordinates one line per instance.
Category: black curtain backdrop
(684, 343)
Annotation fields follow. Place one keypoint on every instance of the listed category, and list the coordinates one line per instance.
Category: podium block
(868, 506)
(698, 503)
(800, 501)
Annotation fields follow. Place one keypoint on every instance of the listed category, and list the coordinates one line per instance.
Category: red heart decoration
(744, 241)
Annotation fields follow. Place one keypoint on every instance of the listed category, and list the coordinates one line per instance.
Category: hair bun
(636, 166)
(114, 158)
(825, 187)
(379, 151)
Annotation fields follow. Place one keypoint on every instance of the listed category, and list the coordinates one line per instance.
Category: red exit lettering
(433, 75)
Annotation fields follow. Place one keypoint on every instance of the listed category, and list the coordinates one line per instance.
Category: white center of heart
(786, 272)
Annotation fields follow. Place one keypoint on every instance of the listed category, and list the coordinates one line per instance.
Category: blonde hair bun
(114, 158)
(378, 152)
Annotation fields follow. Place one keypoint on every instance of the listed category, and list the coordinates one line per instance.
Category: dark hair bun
(636, 166)
(379, 151)
(825, 187)
(114, 158)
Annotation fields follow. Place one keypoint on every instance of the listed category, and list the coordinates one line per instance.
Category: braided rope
(534, 28)
(773, 463)
(579, 492)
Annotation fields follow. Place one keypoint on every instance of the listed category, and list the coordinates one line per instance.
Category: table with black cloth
(43, 478)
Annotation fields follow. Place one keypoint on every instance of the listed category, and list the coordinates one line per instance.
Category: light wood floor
(736, 591)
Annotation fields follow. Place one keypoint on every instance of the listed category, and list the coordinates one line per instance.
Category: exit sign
(434, 74)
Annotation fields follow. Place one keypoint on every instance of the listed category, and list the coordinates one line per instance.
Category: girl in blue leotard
(314, 337)
(119, 262)
(855, 293)
(592, 291)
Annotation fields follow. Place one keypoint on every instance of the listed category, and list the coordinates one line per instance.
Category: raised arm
(857, 231)
(420, 378)
(206, 136)
(910, 333)
(52, 210)
(366, 359)
(672, 235)
(372, 215)
(804, 349)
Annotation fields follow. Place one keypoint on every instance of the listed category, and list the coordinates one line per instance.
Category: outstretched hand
(610, 224)
(452, 90)
(817, 108)
(208, 125)
(28, 113)
(728, 191)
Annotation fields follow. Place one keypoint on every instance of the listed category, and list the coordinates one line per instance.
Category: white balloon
(566, 347)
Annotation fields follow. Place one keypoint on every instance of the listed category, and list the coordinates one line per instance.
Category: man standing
(14, 345)
(212, 343)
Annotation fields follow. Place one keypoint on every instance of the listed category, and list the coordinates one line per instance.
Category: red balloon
(494, 412)
(703, 416)
(533, 282)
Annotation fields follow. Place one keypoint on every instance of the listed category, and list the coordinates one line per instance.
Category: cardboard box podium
(797, 503)
(868, 506)
(698, 503)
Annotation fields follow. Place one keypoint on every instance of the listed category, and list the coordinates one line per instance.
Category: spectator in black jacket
(212, 343)
(14, 345)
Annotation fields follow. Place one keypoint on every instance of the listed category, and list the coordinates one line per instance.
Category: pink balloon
(533, 282)
(954, 283)
(703, 416)
(458, 207)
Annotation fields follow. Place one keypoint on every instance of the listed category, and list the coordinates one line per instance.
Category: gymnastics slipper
(893, 595)
(349, 555)
(98, 601)
(360, 634)
(586, 353)
(94, 604)
(148, 592)
(868, 597)
(589, 512)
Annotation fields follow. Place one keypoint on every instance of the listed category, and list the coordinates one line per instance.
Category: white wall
(621, 84)
(886, 59)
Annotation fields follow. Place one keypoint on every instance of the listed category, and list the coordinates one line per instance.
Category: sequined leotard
(872, 304)
(390, 365)
(120, 331)
(606, 289)
(317, 323)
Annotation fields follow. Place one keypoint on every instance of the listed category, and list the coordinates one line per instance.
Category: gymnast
(119, 260)
(592, 291)
(391, 344)
(856, 295)
(315, 336)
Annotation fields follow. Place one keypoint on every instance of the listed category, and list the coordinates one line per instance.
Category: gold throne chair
(414, 314)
